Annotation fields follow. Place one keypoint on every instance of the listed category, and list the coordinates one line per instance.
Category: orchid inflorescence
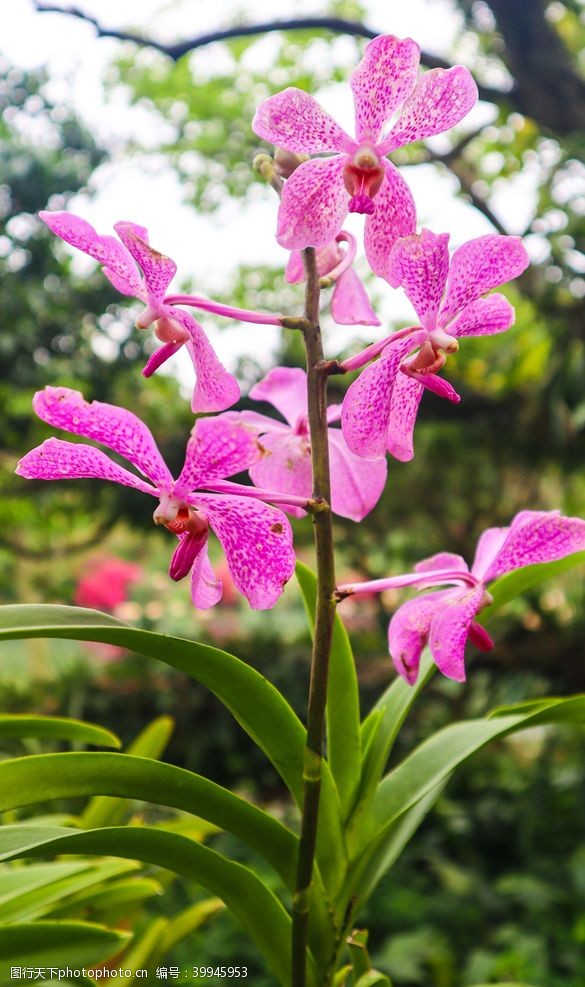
(448, 295)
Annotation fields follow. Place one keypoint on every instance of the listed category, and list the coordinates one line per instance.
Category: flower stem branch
(324, 615)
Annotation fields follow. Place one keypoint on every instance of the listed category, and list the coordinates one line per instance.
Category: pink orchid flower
(255, 537)
(350, 305)
(137, 270)
(356, 486)
(380, 408)
(357, 176)
(446, 618)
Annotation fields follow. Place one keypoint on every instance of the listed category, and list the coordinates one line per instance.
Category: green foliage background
(494, 888)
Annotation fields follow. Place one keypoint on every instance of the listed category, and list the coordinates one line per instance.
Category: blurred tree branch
(338, 25)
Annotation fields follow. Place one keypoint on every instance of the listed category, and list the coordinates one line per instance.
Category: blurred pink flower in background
(105, 583)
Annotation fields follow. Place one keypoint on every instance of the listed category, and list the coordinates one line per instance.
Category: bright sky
(207, 247)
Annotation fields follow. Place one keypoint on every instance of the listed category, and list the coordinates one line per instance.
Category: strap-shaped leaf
(56, 728)
(256, 908)
(343, 706)
(150, 742)
(44, 777)
(256, 704)
(31, 892)
(434, 760)
(58, 944)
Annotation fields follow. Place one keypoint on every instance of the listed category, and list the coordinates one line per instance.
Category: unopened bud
(285, 162)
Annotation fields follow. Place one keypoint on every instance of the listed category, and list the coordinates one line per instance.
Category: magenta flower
(105, 583)
(446, 619)
(350, 305)
(380, 407)
(357, 176)
(285, 467)
(137, 270)
(255, 537)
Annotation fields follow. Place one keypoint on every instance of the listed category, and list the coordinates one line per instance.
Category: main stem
(324, 615)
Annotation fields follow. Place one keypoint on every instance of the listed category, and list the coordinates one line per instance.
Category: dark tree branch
(336, 24)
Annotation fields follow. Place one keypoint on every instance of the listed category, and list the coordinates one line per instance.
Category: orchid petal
(157, 269)
(356, 485)
(294, 120)
(286, 389)
(535, 537)
(59, 460)
(286, 467)
(440, 99)
(105, 249)
(191, 543)
(420, 264)
(488, 546)
(216, 449)
(382, 81)
(450, 629)
(478, 266)
(160, 356)
(294, 272)
(206, 589)
(366, 407)
(438, 385)
(314, 204)
(394, 216)
(408, 632)
(257, 541)
(483, 317)
(442, 560)
(114, 427)
(255, 421)
(406, 397)
(480, 637)
(350, 305)
(215, 388)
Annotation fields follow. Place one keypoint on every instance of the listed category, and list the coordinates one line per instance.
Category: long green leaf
(343, 706)
(256, 704)
(28, 902)
(186, 922)
(150, 742)
(44, 777)
(515, 583)
(437, 757)
(256, 908)
(56, 728)
(58, 944)
(111, 903)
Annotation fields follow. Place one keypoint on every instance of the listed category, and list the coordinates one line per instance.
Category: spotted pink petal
(478, 266)
(157, 269)
(255, 421)
(216, 449)
(365, 413)
(285, 467)
(327, 258)
(483, 317)
(114, 427)
(394, 216)
(450, 628)
(356, 485)
(215, 388)
(408, 632)
(381, 82)
(314, 204)
(440, 99)
(160, 356)
(420, 264)
(59, 460)
(488, 546)
(257, 541)
(294, 120)
(442, 560)
(105, 249)
(350, 305)
(406, 397)
(535, 537)
(286, 389)
(206, 589)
